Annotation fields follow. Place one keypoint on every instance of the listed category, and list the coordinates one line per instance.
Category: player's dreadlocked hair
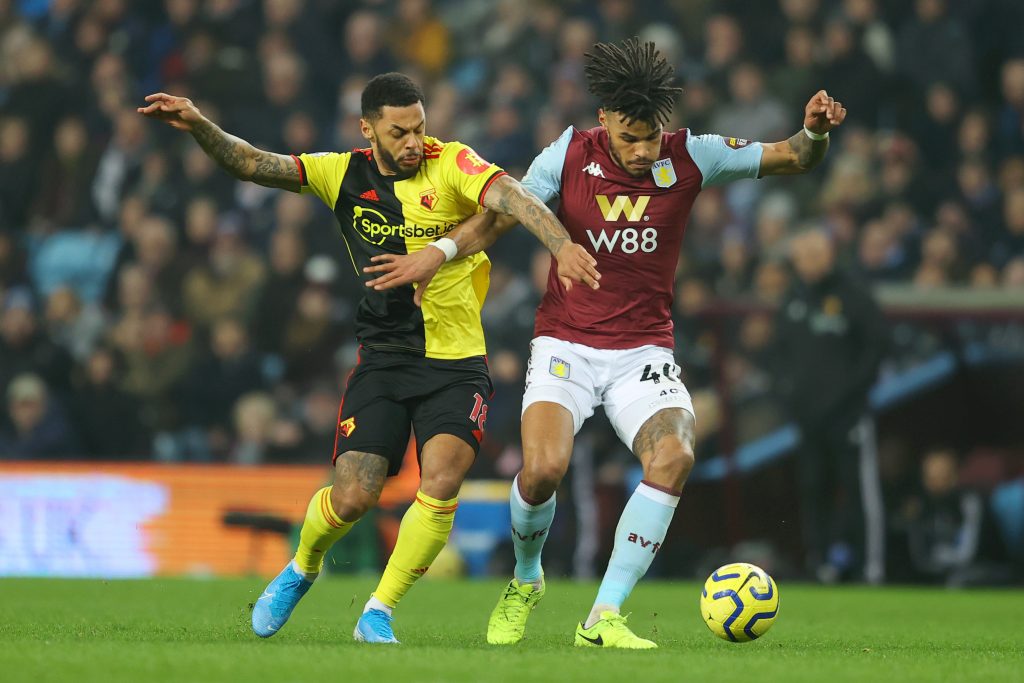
(633, 79)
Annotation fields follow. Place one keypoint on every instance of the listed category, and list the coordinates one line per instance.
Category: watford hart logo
(346, 427)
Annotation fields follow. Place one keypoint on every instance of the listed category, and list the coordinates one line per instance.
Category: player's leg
(559, 397)
(331, 513)
(651, 411)
(665, 448)
(449, 425)
(373, 431)
(547, 433)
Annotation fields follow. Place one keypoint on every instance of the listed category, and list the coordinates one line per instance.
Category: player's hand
(178, 112)
(404, 269)
(575, 264)
(823, 113)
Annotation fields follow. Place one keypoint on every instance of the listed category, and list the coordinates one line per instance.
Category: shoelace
(381, 624)
(510, 608)
(620, 620)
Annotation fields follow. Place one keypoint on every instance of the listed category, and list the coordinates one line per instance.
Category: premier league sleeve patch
(559, 368)
(736, 143)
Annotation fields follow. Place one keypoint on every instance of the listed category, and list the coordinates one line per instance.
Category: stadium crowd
(153, 307)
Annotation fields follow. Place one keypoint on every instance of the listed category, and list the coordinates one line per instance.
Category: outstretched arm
(234, 155)
(802, 152)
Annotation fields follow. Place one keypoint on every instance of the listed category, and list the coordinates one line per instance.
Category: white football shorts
(632, 384)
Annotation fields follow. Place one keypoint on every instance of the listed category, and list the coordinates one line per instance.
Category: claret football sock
(530, 526)
(320, 530)
(638, 537)
(424, 531)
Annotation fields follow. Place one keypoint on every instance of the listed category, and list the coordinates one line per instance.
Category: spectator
(107, 418)
(951, 534)
(933, 43)
(420, 38)
(63, 199)
(830, 341)
(25, 348)
(254, 417)
(17, 176)
(120, 162)
(156, 252)
(314, 330)
(157, 354)
(71, 324)
(279, 296)
(227, 284)
(752, 113)
(219, 376)
(38, 428)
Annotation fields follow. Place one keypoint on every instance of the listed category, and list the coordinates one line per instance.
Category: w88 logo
(628, 240)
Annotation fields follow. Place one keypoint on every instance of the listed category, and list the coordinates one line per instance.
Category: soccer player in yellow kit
(420, 367)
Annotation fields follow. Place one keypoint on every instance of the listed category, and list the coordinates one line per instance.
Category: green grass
(197, 631)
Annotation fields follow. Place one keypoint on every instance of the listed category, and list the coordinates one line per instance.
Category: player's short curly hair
(389, 90)
(633, 79)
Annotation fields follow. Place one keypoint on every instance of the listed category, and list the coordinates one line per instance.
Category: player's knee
(541, 476)
(351, 502)
(671, 462)
(443, 485)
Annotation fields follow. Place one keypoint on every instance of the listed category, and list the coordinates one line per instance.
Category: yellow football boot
(611, 631)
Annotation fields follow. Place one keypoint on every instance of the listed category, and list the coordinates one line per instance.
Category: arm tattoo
(244, 161)
(809, 153)
(509, 197)
(366, 470)
(276, 170)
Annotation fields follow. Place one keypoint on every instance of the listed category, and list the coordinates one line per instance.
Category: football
(740, 602)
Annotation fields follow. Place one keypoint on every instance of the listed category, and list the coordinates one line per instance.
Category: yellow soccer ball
(740, 602)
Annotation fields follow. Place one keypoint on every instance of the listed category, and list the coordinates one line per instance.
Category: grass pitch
(198, 631)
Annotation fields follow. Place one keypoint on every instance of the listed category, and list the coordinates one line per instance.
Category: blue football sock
(638, 537)
(530, 526)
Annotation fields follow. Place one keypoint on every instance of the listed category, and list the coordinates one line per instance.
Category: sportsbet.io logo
(373, 227)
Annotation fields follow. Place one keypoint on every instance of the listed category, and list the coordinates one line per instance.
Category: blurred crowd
(154, 307)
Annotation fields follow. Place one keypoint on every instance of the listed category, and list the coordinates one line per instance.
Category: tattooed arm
(506, 195)
(800, 153)
(234, 155)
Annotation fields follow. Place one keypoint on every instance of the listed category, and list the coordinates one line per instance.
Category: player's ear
(366, 129)
(601, 118)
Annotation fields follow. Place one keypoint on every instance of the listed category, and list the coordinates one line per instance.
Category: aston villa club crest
(428, 198)
(559, 368)
(664, 173)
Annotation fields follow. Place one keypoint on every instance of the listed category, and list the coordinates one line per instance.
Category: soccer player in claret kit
(626, 189)
(419, 367)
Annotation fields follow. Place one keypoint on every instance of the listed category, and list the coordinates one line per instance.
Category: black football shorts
(390, 392)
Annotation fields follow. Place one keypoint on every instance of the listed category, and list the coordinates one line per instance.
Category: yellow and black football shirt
(379, 215)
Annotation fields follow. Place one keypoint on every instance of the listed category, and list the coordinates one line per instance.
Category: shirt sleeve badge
(664, 173)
